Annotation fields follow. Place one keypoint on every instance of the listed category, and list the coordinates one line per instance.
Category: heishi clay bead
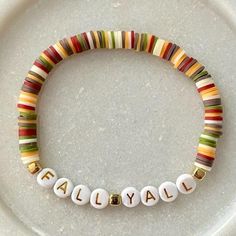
(63, 187)
(149, 196)
(168, 191)
(186, 183)
(130, 197)
(47, 178)
(99, 198)
(81, 195)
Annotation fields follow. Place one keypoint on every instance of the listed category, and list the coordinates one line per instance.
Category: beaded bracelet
(130, 197)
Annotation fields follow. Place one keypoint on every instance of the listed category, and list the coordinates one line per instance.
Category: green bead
(28, 116)
(208, 142)
(200, 75)
(81, 41)
(145, 39)
(113, 39)
(28, 149)
(46, 63)
(103, 39)
(27, 137)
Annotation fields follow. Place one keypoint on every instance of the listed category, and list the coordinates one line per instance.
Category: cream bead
(99, 198)
(168, 191)
(63, 187)
(39, 71)
(90, 40)
(158, 47)
(81, 195)
(130, 197)
(109, 39)
(47, 178)
(186, 183)
(149, 196)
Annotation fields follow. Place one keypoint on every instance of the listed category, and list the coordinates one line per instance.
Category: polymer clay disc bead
(63, 187)
(47, 178)
(186, 183)
(168, 191)
(99, 198)
(81, 195)
(130, 197)
(149, 196)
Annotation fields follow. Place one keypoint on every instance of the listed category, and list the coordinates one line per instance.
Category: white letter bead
(130, 197)
(149, 196)
(47, 178)
(186, 183)
(168, 191)
(63, 187)
(99, 198)
(81, 195)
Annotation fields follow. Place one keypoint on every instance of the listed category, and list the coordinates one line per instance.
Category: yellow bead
(199, 173)
(34, 167)
(115, 199)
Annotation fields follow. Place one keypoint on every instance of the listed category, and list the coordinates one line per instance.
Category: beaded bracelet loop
(130, 197)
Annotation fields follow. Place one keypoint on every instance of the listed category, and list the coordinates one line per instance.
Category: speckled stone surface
(112, 119)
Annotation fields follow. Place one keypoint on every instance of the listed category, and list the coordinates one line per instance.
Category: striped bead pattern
(206, 150)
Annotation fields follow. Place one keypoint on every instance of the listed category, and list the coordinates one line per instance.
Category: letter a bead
(149, 196)
(63, 187)
(186, 183)
(99, 198)
(130, 197)
(47, 178)
(168, 191)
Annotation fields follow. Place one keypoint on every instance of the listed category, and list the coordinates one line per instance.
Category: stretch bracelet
(130, 196)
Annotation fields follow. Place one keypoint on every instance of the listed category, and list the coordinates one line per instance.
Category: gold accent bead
(34, 167)
(199, 173)
(115, 199)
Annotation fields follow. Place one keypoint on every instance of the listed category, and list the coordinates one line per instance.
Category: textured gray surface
(113, 119)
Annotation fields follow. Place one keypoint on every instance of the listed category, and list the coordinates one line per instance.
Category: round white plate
(116, 119)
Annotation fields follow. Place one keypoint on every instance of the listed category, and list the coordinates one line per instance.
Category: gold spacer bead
(115, 199)
(34, 167)
(199, 173)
